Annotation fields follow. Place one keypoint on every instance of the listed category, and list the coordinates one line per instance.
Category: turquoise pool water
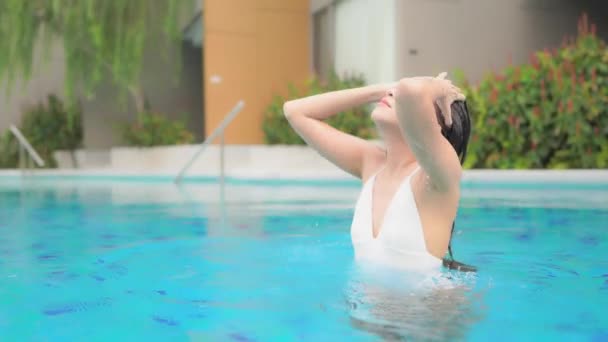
(111, 261)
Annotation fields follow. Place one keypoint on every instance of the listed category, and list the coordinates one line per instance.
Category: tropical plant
(9, 151)
(49, 126)
(549, 113)
(152, 129)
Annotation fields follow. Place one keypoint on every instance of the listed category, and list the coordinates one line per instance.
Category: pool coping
(469, 176)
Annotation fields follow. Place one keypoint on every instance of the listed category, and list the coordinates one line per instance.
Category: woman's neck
(398, 154)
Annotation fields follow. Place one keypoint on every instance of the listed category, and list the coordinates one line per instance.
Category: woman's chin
(384, 121)
(379, 118)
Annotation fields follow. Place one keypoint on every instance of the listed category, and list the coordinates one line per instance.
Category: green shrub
(153, 129)
(9, 151)
(48, 126)
(550, 113)
(356, 121)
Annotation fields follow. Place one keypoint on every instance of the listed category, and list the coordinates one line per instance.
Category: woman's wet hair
(460, 130)
(458, 136)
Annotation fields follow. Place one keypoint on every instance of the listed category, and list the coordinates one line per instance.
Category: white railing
(219, 131)
(25, 146)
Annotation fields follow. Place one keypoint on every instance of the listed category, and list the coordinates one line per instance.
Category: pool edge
(471, 178)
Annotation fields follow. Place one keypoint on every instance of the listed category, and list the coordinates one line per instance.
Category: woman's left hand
(441, 91)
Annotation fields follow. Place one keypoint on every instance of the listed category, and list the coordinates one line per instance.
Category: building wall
(47, 78)
(365, 38)
(253, 49)
(479, 36)
(178, 98)
(175, 97)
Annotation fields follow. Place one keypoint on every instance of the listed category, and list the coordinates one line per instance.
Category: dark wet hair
(458, 136)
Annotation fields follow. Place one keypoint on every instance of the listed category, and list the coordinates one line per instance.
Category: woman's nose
(391, 92)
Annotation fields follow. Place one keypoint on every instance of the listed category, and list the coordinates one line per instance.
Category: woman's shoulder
(373, 161)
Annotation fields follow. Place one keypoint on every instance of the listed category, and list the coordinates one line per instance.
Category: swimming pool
(116, 260)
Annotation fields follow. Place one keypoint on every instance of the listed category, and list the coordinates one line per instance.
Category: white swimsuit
(400, 242)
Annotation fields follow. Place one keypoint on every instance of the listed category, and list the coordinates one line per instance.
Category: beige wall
(47, 78)
(479, 35)
(177, 98)
(253, 49)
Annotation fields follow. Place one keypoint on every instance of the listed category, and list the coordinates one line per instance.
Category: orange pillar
(252, 50)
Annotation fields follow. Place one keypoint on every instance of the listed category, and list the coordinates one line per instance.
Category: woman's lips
(384, 102)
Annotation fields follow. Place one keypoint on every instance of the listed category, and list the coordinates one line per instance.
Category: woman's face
(384, 114)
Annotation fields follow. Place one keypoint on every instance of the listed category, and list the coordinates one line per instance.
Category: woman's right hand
(441, 91)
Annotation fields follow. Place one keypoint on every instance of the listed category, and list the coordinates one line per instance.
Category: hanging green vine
(103, 40)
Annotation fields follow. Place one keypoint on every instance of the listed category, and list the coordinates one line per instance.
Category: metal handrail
(24, 144)
(218, 131)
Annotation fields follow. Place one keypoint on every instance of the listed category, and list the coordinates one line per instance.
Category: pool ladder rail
(26, 147)
(218, 131)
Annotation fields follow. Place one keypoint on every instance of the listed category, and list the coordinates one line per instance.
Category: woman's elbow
(292, 109)
(288, 109)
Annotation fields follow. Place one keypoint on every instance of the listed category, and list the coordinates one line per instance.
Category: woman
(405, 213)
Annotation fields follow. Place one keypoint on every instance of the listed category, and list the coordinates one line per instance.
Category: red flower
(596, 130)
(570, 105)
(517, 74)
(581, 79)
(561, 106)
(494, 96)
(583, 25)
(533, 145)
(558, 77)
(593, 29)
(534, 61)
(593, 75)
(513, 121)
(569, 67)
(491, 121)
(573, 80)
(537, 112)
(509, 86)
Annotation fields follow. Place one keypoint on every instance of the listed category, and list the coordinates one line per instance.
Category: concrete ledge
(536, 176)
(82, 159)
(262, 162)
(471, 178)
(249, 161)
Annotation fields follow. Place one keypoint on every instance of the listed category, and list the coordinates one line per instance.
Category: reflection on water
(396, 306)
